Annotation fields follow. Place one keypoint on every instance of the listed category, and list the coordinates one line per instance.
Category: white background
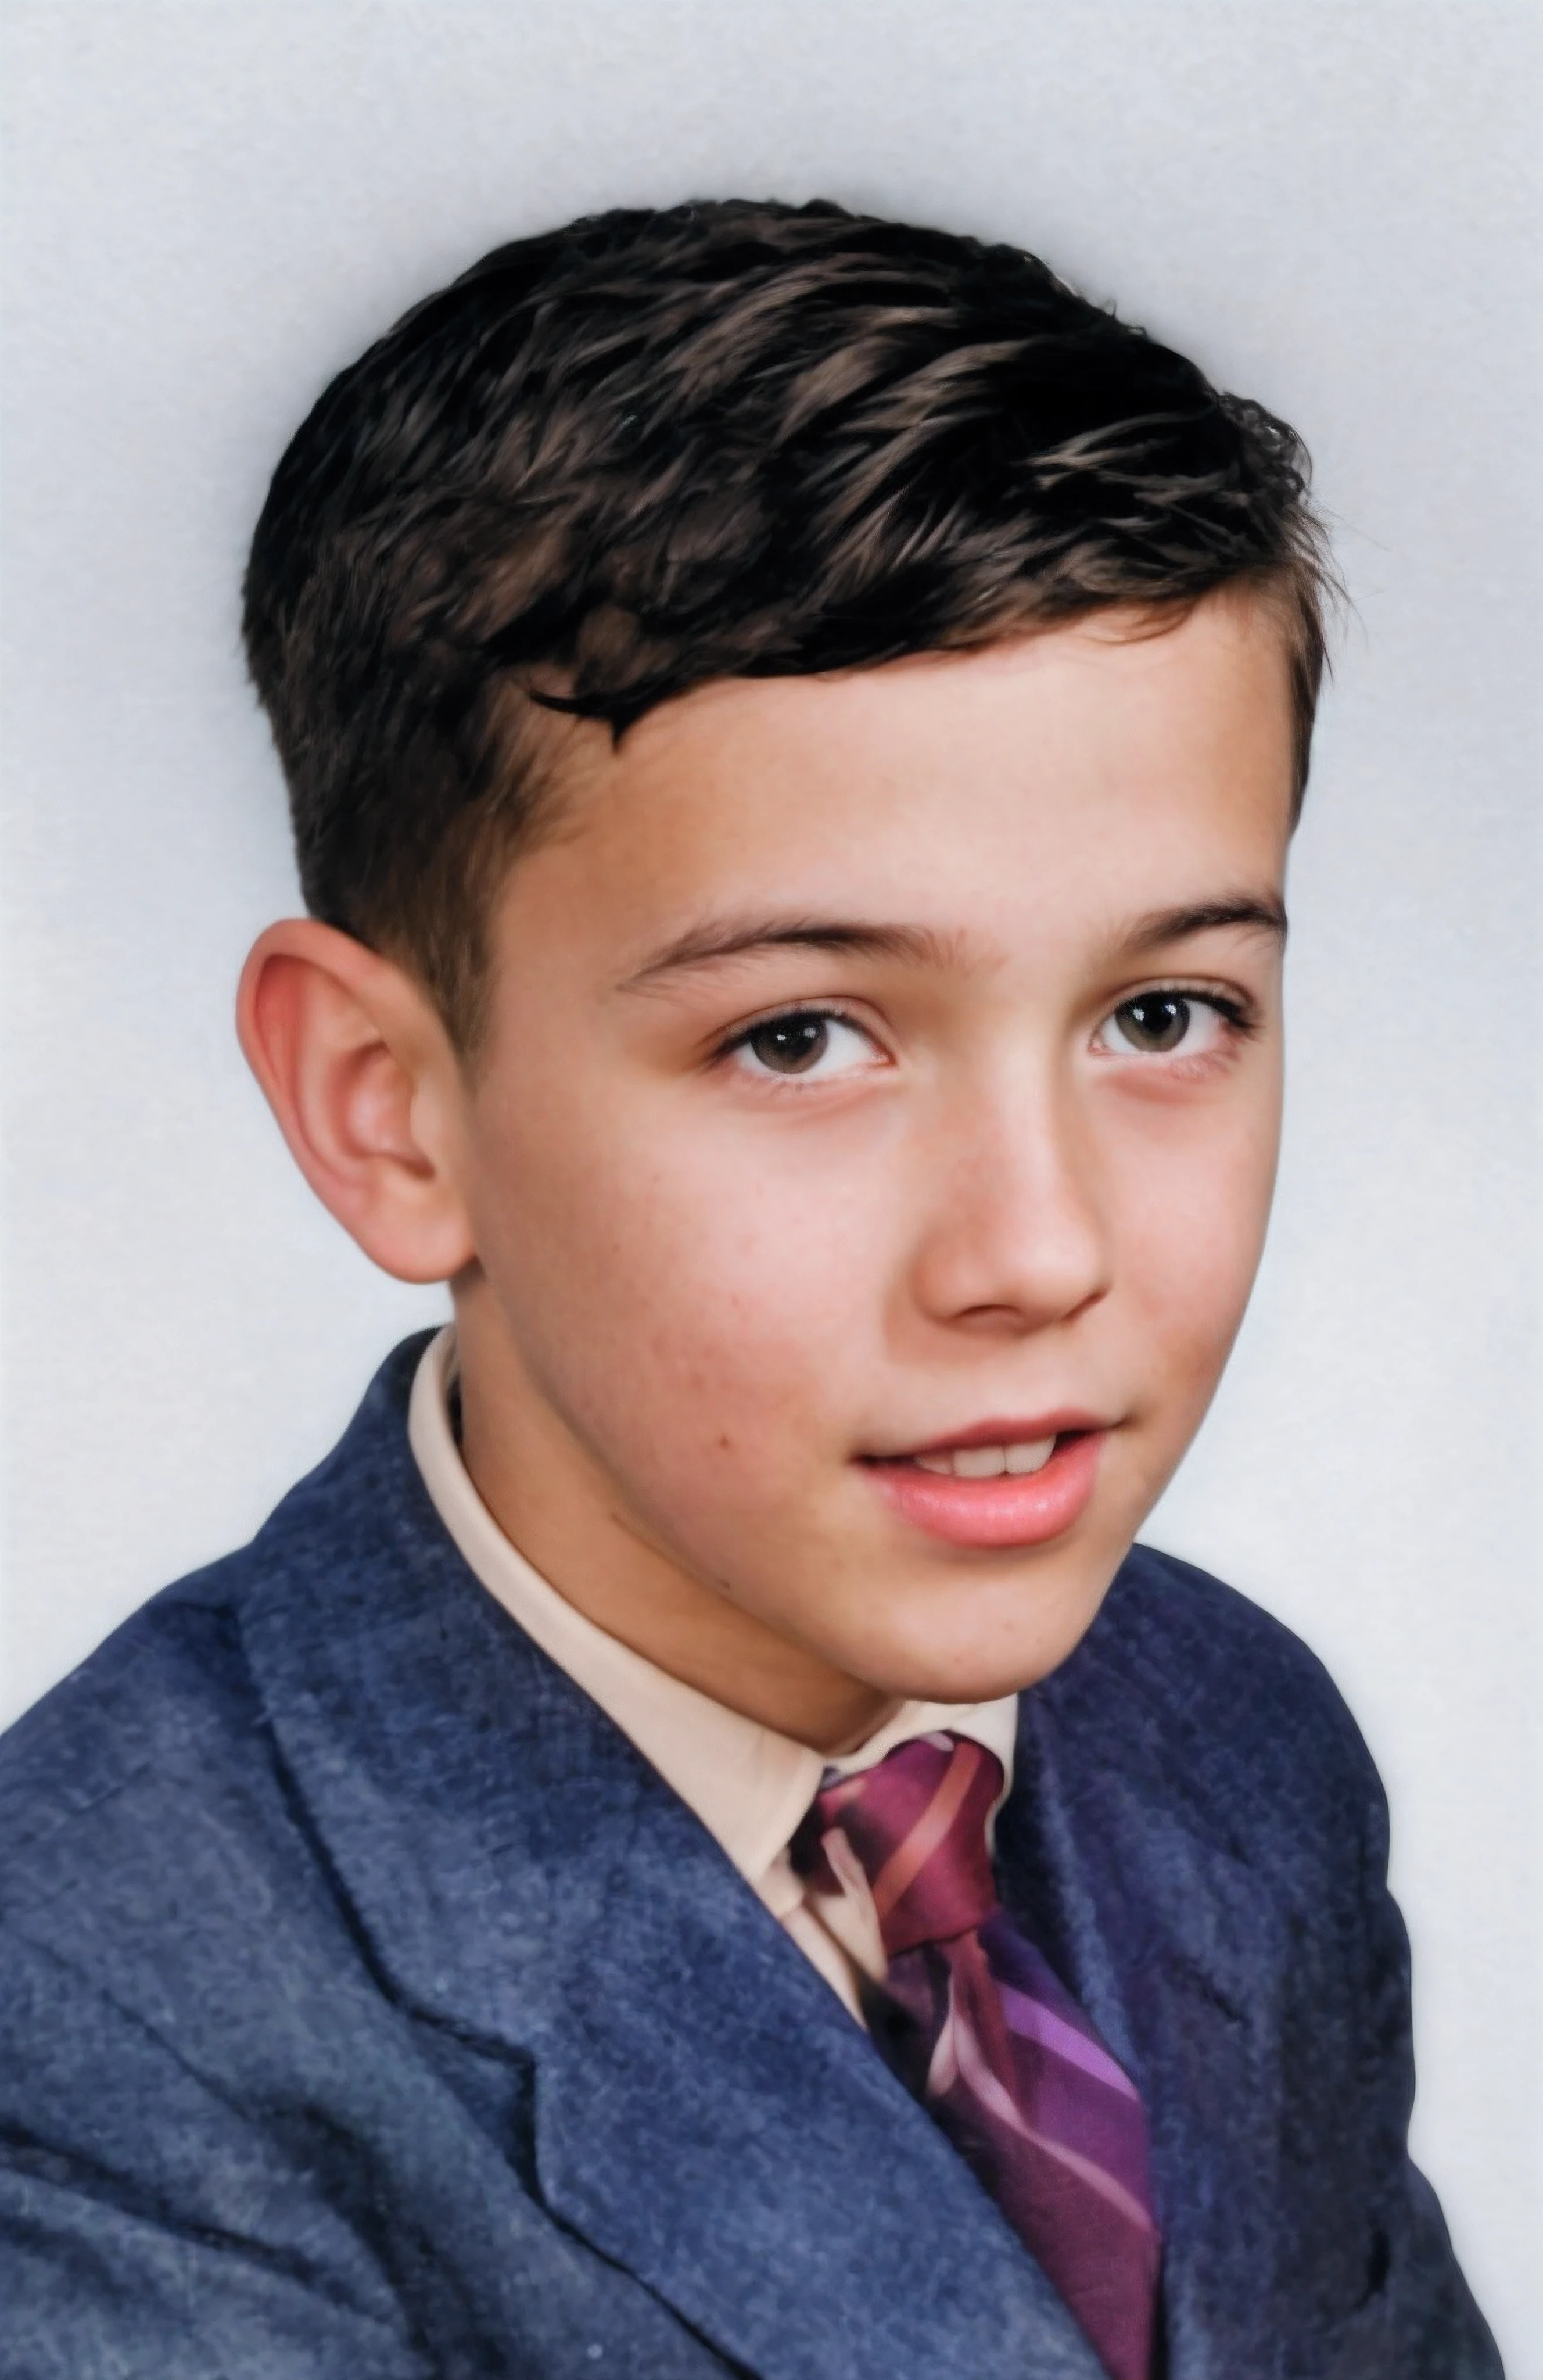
(212, 206)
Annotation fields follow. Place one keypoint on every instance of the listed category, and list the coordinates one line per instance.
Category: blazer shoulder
(1221, 1706)
(163, 1704)
(168, 1713)
(1210, 1650)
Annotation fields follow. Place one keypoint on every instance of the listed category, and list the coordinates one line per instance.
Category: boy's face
(882, 1087)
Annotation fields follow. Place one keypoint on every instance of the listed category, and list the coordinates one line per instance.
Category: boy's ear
(359, 1072)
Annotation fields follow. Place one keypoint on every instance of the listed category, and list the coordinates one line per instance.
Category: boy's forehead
(1075, 767)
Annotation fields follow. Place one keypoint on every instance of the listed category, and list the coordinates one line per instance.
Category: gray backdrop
(214, 203)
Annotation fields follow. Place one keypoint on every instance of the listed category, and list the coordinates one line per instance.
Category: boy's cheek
(666, 1238)
(676, 1292)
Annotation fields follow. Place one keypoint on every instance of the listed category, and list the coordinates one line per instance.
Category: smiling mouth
(1003, 1484)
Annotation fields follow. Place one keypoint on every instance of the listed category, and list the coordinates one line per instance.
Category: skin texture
(698, 1297)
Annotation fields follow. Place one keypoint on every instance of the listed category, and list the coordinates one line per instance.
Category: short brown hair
(652, 449)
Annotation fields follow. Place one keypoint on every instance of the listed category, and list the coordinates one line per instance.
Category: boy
(692, 1844)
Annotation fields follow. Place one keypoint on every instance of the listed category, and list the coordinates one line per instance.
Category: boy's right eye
(804, 1041)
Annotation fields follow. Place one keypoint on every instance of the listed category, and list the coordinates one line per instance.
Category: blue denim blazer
(371, 2011)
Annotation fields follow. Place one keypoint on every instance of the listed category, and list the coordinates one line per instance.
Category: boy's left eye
(805, 1041)
(1164, 1024)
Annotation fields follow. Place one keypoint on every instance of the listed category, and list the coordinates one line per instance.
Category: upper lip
(1014, 1432)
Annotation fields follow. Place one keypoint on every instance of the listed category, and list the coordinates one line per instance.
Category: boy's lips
(998, 1483)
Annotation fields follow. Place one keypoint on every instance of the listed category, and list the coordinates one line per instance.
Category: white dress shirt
(748, 1785)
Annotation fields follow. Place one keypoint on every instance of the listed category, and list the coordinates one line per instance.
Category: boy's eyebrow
(1265, 913)
(921, 945)
(732, 938)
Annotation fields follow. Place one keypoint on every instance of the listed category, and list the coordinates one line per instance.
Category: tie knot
(916, 1825)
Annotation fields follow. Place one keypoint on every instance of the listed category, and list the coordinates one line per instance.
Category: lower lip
(1001, 1511)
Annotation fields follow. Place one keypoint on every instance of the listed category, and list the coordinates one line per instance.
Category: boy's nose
(1015, 1236)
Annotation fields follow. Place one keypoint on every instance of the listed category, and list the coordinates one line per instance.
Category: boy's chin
(966, 1674)
(945, 1653)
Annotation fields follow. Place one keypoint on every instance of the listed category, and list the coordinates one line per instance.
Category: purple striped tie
(997, 2050)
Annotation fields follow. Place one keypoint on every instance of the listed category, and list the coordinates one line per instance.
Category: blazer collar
(708, 2115)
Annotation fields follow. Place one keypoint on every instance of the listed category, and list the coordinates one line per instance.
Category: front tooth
(943, 1462)
(979, 1462)
(1030, 1454)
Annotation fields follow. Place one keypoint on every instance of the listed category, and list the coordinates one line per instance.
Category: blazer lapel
(1174, 1947)
(708, 2115)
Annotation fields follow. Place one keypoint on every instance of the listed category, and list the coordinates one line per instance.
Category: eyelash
(1234, 1022)
(1238, 1014)
(818, 1012)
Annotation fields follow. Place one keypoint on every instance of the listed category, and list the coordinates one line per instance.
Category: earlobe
(360, 1076)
